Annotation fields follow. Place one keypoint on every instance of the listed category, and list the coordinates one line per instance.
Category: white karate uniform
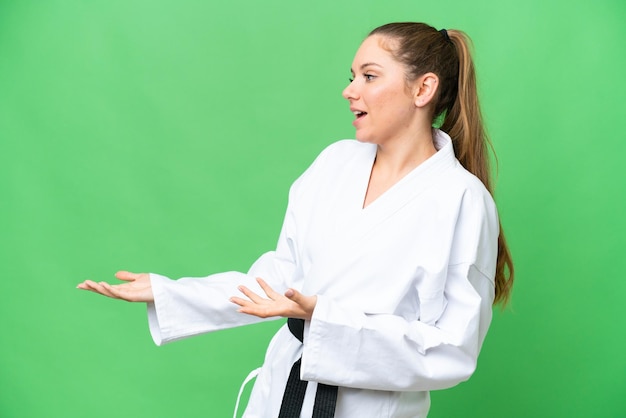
(405, 285)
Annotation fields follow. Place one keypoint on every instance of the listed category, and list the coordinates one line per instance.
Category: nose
(350, 92)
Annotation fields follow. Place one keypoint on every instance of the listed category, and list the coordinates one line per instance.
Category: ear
(425, 88)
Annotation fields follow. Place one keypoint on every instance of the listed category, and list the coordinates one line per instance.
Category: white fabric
(254, 373)
(405, 285)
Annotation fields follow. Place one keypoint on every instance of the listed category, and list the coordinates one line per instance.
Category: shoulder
(463, 197)
(339, 154)
(455, 181)
(476, 221)
(470, 189)
(332, 160)
(477, 209)
(465, 180)
(344, 148)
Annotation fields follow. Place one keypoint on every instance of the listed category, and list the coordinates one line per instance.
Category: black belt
(325, 397)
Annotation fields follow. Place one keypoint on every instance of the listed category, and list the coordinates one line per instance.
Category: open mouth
(359, 114)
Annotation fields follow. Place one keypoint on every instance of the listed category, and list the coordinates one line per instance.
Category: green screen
(163, 136)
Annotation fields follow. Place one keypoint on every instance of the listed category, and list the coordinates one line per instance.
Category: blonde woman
(390, 256)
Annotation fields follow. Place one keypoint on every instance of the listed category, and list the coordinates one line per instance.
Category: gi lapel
(348, 226)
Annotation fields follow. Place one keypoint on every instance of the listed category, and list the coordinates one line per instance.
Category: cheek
(393, 108)
(380, 102)
(381, 96)
(392, 103)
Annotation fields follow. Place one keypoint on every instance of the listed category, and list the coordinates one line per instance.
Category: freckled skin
(379, 88)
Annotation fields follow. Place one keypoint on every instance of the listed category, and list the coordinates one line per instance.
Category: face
(383, 104)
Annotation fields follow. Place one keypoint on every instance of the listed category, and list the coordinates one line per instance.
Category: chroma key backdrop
(163, 136)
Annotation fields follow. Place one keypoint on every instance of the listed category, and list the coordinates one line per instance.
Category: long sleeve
(404, 287)
(192, 306)
(387, 352)
(348, 347)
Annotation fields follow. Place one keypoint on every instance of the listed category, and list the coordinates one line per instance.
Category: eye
(351, 79)
(369, 77)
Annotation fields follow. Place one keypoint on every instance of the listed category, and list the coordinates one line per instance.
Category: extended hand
(137, 289)
(292, 304)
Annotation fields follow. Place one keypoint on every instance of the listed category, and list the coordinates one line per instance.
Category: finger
(86, 287)
(240, 301)
(245, 306)
(251, 295)
(117, 292)
(256, 310)
(267, 289)
(97, 288)
(106, 290)
(87, 284)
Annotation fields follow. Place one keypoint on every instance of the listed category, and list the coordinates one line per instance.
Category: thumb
(298, 297)
(292, 294)
(127, 275)
(306, 303)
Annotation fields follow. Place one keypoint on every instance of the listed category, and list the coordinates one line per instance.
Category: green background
(163, 136)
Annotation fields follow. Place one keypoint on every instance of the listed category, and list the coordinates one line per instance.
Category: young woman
(390, 256)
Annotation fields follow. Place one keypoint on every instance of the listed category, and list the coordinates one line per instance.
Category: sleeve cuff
(154, 324)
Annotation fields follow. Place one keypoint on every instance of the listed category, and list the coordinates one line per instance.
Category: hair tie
(445, 34)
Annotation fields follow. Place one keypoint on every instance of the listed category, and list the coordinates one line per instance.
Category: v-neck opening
(363, 194)
(389, 189)
(440, 143)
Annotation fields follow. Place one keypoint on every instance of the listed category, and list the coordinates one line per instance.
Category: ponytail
(463, 122)
(447, 53)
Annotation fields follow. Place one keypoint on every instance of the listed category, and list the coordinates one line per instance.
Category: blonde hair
(422, 48)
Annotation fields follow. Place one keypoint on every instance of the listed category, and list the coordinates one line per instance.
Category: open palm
(136, 289)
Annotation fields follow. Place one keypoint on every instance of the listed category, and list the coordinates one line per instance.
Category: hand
(292, 304)
(137, 289)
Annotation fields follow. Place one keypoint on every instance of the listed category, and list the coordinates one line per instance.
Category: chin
(364, 138)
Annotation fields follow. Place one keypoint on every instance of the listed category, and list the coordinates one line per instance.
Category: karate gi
(405, 285)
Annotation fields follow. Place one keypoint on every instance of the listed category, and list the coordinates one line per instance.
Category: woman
(390, 256)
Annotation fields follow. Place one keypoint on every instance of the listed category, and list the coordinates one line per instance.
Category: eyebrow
(367, 64)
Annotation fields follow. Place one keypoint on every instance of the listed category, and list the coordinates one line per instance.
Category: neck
(398, 157)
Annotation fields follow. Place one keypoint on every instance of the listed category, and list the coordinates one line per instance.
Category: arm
(349, 348)
(435, 348)
(384, 351)
(388, 352)
(191, 306)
